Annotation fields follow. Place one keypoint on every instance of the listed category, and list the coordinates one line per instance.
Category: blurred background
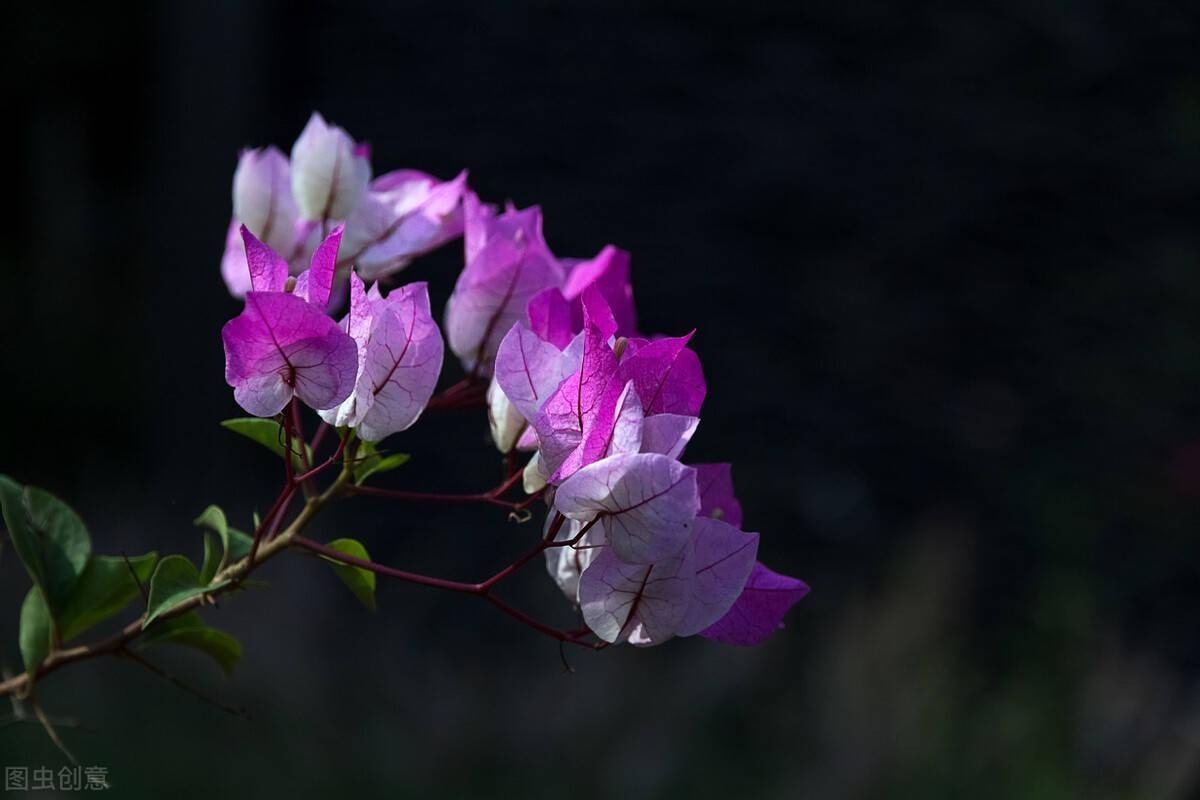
(945, 266)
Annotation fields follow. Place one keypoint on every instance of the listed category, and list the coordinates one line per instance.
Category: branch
(234, 573)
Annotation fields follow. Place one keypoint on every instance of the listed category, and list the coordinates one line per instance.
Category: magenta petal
(609, 273)
(402, 363)
(316, 283)
(616, 427)
(268, 272)
(639, 603)
(550, 317)
(280, 345)
(668, 377)
(646, 502)
(715, 482)
(759, 610)
(566, 416)
(722, 558)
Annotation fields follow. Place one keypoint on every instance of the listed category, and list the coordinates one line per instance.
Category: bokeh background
(945, 266)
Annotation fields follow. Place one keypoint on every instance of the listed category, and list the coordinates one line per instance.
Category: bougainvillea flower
(646, 502)
(283, 345)
(759, 610)
(404, 214)
(609, 273)
(508, 262)
(329, 171)
(642, 604)
(400, 358)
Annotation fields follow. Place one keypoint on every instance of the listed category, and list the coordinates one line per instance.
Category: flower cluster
(647, 547)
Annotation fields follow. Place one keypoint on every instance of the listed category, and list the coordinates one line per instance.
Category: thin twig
(136, 658)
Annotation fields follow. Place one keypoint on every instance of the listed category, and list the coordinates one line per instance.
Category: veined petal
(402, 364)
(329, 173)
(647, 503)
(722, 557)
(643, 604)
(668, 376)
(280, 345)
(262, 196)
(268, 272)
(668, 434)
(759, 610)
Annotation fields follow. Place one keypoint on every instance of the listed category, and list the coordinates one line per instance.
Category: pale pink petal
(643, 604)
(528, 369)
(262, 196)
(504, 420)
(668, 434)
(722, 557)
(234, 269)
(646, 502)
(402, 364)
(328, 176)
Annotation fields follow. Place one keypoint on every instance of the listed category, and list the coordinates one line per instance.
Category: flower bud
(329, 172)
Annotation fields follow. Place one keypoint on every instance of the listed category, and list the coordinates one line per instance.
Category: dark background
(945, 266)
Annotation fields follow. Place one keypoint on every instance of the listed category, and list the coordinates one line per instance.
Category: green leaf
(269, 434)
(212, 558)
(190, 631)
(50, 538)
(175, 580)
(35, 629)
(371, 461)
(103, 591)
(358, 580)
(235, 545)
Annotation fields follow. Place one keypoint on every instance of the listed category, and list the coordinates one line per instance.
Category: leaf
(376, 463)
(175, 581)
(49, 537)
(35, 629)
(269, 434)
(191, 631)
(104, 590)
(358, 580)
(235, 545)
(212, 559)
